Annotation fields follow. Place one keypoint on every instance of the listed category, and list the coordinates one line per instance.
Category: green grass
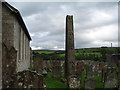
(99, 83)
(62, 55)
(82, 79)
(45, 52)
(96, 53)
(54, 82)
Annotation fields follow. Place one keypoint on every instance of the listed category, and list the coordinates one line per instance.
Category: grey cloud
(46, 22)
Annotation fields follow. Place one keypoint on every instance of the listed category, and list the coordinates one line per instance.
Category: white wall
(21, 44)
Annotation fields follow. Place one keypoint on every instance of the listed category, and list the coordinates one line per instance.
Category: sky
(95, 23)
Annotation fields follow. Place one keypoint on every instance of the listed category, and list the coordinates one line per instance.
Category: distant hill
(97, 53)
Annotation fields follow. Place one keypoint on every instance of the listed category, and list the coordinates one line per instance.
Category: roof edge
(19, 17)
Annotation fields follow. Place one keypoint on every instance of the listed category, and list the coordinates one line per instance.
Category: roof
(19, 17)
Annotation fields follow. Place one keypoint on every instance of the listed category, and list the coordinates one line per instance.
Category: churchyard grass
(52, 82)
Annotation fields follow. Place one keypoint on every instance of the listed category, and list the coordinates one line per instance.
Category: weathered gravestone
(90, 84)
(38, 64)
(80, 67)
(8, 65)
(111, 80)
(90, 72)
(101, 67)
(56, 69)
(28, 79)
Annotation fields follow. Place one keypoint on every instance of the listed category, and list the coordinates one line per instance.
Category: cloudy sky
(95, 23)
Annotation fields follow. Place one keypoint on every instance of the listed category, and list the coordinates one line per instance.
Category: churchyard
(90, 74)
(86, 68)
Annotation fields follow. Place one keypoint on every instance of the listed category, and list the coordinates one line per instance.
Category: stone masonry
(70, 58)
(69, 53)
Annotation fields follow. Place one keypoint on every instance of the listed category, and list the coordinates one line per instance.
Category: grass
(82, 79)
(54, 82)
(96, 53)
(99, 83)
(45, 52)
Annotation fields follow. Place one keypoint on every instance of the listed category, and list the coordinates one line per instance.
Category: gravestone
(80, 66)
(101, 67)
(56, 69)
(111, 78)
(8, 65)
(95, 68)
(28, 79)
(38, 64)
(90, 84)
(90, 71)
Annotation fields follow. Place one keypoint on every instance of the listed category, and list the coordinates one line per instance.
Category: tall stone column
(69, 54)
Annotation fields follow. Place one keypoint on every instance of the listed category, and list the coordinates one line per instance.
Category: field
(97, 54)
